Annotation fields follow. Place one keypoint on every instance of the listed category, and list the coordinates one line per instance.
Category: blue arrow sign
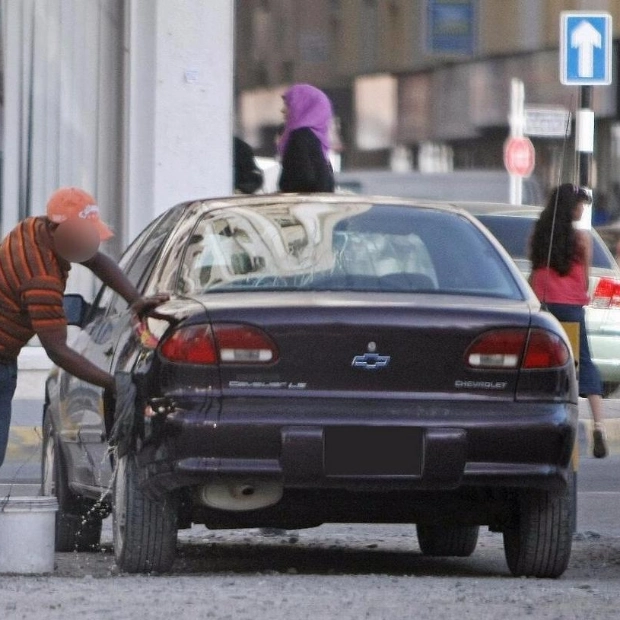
(585, 48)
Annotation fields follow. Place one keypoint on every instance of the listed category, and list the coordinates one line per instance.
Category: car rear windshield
(514, 231)
(343, 246)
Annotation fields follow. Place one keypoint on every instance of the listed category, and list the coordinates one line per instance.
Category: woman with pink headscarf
(304, 144)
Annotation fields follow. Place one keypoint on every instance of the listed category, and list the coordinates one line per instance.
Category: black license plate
(373, 451)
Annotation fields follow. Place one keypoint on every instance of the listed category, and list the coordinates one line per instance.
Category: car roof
(498, 208)
(484, 209)
(326, 198)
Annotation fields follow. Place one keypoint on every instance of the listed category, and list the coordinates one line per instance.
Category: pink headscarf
(307, 107)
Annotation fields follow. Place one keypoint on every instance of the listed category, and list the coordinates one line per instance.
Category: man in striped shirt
(35, 259)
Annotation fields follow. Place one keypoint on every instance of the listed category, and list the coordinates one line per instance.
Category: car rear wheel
(144, 529)
(447, 540)
(78, 523)
(539, 543)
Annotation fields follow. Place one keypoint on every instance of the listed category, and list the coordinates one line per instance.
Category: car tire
(447, 540)
(144, 529)
(539, 543)
(77, 522)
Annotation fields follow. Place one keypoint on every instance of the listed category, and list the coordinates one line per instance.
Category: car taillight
(504, 349)
(606, 294)
(497, 349)
(226, 343)
(545, 350)
(244, 344)
(192, 345)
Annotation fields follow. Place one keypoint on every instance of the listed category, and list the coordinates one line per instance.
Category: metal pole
(517, 122)
(584, 144)
(585, 156)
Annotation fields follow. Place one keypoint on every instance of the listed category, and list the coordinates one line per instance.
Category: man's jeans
(8, 381)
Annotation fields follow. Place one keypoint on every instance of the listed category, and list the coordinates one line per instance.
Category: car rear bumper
(502, 444)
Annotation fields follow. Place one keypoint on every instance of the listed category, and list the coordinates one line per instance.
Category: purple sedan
(322, 358)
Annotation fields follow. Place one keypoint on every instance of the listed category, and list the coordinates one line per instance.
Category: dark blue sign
(451, 26)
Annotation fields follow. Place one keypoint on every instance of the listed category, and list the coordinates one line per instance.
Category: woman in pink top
(560, 279)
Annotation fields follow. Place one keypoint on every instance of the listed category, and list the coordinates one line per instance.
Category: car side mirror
(76, 308)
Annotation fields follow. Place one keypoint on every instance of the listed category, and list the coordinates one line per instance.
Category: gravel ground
(334, 571)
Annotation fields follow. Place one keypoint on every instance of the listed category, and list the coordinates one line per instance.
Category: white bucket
(27, 534)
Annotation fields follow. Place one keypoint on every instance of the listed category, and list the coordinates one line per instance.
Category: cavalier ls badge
(371, 360)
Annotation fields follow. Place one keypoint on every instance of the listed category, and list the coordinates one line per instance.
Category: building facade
(429, 78)
(130, 99)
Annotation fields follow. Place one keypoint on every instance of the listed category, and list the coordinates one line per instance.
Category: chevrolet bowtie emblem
(370, 361)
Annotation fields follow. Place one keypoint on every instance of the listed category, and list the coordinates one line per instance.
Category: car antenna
(555, 205)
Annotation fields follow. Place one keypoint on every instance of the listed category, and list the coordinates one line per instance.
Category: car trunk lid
(369, 345)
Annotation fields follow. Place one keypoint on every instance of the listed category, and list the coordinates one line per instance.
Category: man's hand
(143, 305)
(54, 342)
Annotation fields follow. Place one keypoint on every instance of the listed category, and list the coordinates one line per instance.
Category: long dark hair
(560, 207)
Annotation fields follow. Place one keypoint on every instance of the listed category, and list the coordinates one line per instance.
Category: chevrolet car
(321, 358)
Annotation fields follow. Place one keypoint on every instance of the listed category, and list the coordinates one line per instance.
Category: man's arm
(54, 342)
(112, 275)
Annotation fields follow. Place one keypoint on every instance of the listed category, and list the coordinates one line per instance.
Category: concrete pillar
(178, 105)
(130, 99)
(15, 40)
(62, 109)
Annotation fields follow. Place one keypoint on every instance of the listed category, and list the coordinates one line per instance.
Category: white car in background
(481, 185)
(512, 226)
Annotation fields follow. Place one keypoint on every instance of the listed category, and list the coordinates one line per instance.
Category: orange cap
(68, 203)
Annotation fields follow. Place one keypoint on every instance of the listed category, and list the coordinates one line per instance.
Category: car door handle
(109, 352)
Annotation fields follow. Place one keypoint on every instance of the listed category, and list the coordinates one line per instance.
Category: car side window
(164, 276)
(104, 297)
(138, 260)
(601, 256)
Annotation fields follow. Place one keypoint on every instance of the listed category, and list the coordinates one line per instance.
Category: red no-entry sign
(519, 156)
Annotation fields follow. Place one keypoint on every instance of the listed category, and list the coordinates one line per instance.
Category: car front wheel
(539, 543)
(144, 529)
(78, 522)
(447, 540)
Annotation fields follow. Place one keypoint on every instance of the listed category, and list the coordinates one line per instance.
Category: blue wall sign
(451, 26)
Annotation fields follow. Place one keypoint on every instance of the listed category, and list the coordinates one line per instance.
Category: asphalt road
(598, 496)
(344, 572)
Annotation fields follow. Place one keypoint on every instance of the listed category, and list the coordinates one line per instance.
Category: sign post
(519, 156)
(585, 61)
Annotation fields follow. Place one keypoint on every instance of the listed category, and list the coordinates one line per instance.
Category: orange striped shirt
(32, 284)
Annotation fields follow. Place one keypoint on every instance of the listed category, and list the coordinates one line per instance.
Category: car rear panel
(351, 345)
(316, 417)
